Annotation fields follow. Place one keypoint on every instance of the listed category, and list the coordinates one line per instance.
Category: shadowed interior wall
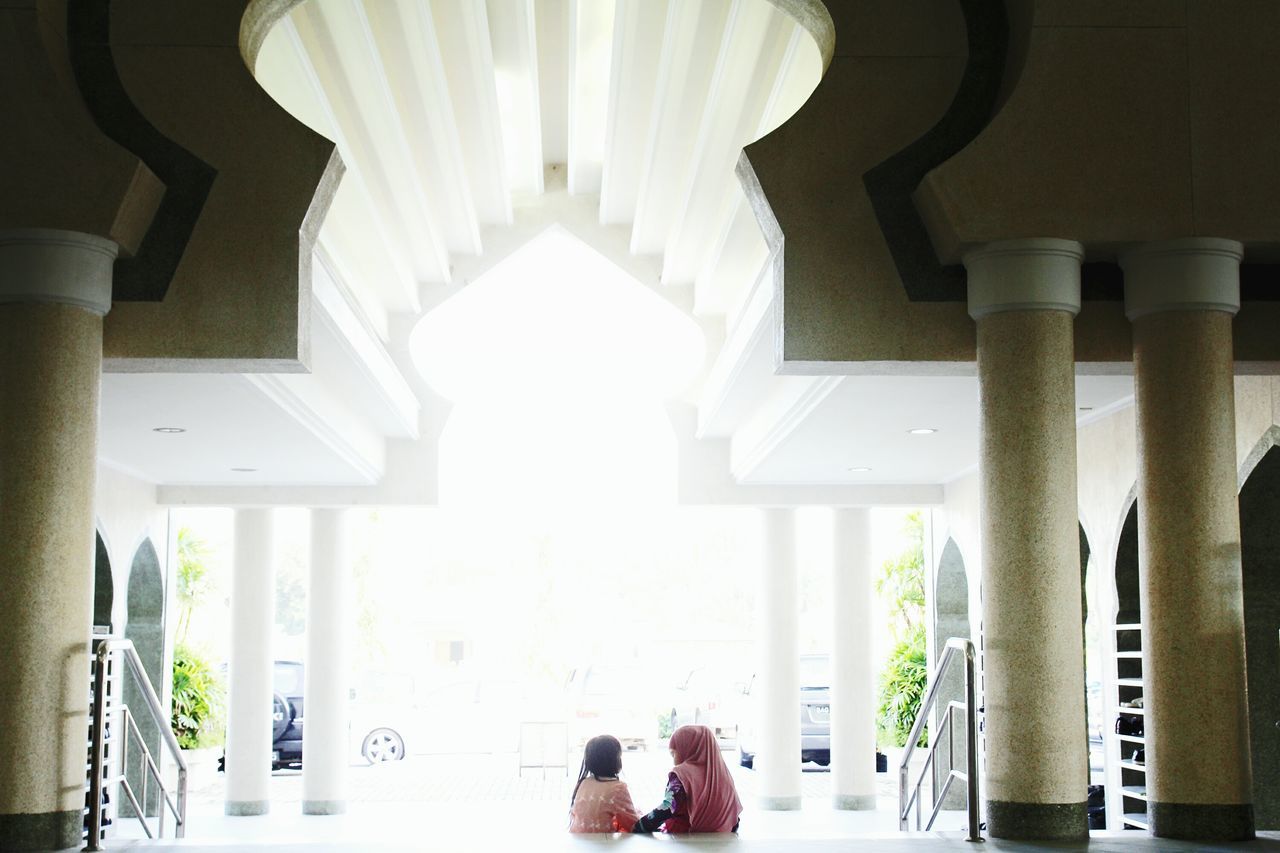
(951, 619)
(145, 628)
(1260, 558)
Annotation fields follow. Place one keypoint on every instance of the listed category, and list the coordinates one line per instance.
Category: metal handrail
(970, 776)
(105, 649)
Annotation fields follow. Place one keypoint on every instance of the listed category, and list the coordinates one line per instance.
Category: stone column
(253, 596)
(1181, 296)
(325, 736)
(1024, 295)
(853, 718)
(55, 287)
(778, 754)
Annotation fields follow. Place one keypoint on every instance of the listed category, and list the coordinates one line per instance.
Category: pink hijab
(713, 800)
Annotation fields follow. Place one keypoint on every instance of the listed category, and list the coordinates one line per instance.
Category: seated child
(601, 801)
(700, 793)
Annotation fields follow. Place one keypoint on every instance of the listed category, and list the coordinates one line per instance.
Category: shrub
(902, 686)
(197, 700)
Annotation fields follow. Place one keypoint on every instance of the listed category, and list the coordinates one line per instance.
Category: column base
(1038, 821)
(42, 831)
(854, 802)
(1201, 822)
(322, 807)
(779, 804)
(247, 808)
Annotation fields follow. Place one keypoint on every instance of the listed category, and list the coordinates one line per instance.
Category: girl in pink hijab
(700, 794)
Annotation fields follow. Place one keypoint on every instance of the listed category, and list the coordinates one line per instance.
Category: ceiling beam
(591, 42)
(512, 34)
(638, 29)
(462, 36)
(752, 50)
(408, 54)
(399, 293)
(690, 46)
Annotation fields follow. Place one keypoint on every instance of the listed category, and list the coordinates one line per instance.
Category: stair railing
(128, 730)
(909, 794)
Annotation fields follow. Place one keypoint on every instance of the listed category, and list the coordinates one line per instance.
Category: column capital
(1196, 273)
(49, 265)
(1034, 274)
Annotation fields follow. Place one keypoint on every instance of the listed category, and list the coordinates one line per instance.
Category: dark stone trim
(890, 184)
(187, 179)
(45, 831)
(1201, 822)
(1038, 821)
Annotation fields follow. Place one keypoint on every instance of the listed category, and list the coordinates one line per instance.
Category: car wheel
(282, 715)
(382, 745)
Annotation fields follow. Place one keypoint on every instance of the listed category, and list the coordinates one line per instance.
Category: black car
(286, 716)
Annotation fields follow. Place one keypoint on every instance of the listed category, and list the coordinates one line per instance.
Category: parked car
(815, 715)
(706, 697)
(286, 715)
(612, 700)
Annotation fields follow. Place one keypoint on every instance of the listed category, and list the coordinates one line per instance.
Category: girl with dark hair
(601, 801)
(700, 796)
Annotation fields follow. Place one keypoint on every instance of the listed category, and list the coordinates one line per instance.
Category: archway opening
(144, 604)
(1260, 564)
(103, 587)
(1130, 728)
(951, 619)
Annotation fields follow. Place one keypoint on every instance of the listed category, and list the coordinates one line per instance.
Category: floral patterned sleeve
(672, 802)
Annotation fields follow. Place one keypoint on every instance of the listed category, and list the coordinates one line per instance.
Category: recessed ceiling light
(922, 431)
(169, 430)
(859, 469)
(244, 470)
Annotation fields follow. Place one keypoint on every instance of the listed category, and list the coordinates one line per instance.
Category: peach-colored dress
(602, 805)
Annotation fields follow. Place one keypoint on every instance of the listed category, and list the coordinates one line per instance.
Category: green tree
(905, 676)
(194, 582)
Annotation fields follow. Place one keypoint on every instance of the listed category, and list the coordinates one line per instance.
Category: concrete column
(324, 744)
(1023, 295)
(853, 694)
(778, 756)
(253, 596)
(1181, 297)
(55, 287)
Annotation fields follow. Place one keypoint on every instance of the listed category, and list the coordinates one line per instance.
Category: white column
(853, 719)
(324, 744)
(253, 594)
(778, 757)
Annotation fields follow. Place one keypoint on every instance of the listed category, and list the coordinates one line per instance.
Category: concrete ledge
(324, 807)
(1201, 821)
(1038, 821)
(41, 831)
(247, 808)
(779, 804)
(854, 802)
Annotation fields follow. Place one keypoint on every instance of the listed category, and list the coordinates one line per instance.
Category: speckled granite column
(253, 597)
(777, 761)
(54, 288)
(853, 717)
(1024, 295)
(329, 614)
(1181, 297)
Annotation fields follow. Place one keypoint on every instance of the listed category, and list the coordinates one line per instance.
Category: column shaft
(252, 616)
(50, 366)
(778, 756)
(1037, 762)
(853, 724)
(1197, 751)
(325, 747)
